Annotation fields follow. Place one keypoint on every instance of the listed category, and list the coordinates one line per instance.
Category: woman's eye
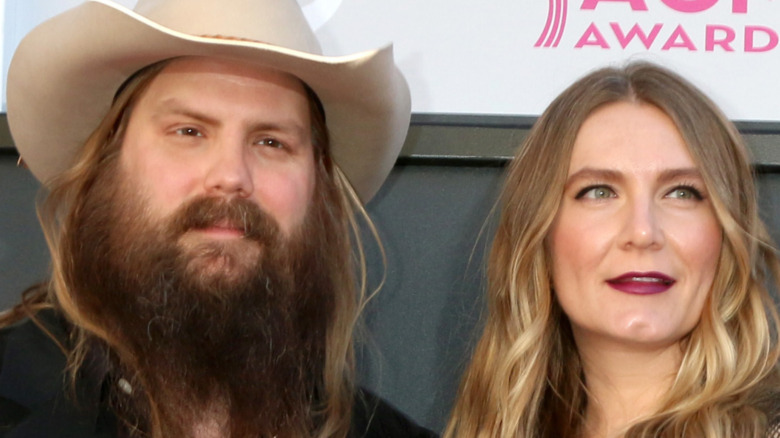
(598, 192)
(190, 132)
(272, 142)
(685, 193)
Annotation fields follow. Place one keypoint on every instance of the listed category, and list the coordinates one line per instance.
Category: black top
(36, 401)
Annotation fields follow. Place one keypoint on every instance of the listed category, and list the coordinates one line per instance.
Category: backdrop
(514, 56)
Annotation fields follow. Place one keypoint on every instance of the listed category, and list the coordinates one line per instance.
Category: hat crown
(79, 58)
(277, 22)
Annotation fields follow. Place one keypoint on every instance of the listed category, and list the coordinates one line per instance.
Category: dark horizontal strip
(766, 168)
(746, 127)
(6, 142)
(525, 122)
(491, 140)
(452, 161)
(449, 161)
(8, 151)
(446, 138)
(473, 120)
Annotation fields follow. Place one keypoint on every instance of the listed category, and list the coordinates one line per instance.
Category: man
(199, 223)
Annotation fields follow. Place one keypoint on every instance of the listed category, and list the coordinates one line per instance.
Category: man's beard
(236, 328)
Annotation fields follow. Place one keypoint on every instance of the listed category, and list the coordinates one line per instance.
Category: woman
(626, 282)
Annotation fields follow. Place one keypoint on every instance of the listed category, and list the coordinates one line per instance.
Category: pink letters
(684, 40)
(737, 6)
(716, 37)
(750, 42)
(725, 42)
(636, 5)
(592, 37)
(690, 5)
(635, 31)
(665, 37)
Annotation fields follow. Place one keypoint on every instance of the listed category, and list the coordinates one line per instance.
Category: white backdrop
(514, 56)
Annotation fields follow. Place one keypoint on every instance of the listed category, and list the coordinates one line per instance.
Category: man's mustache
(238, 213)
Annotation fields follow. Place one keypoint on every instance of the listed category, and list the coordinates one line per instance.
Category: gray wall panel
(23, 253)
(430, 218)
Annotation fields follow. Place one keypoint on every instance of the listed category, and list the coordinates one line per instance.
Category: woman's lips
(642, 283)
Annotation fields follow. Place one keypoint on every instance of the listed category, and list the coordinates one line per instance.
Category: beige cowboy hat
(65, 72)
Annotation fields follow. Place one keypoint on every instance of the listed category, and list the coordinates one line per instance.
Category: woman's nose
(642, 226)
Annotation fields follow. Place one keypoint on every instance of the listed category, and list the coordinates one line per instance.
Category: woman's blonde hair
(336, 389)
(525, 378)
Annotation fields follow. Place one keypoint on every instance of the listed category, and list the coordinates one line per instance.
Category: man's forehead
(182, 84)
(228, 67)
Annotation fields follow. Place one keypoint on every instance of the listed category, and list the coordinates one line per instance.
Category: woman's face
(635, 242)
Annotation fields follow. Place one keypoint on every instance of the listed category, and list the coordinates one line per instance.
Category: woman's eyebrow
(681, 173)
(609, 175)
(590, 173)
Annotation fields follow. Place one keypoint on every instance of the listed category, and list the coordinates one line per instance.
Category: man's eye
(272, 142)
(191, 132)
(597, 192)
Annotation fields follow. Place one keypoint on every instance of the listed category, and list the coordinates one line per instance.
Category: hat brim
(65, 72)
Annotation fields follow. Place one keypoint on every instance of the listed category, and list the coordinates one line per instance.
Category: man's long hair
(526, 379)
(334, 389)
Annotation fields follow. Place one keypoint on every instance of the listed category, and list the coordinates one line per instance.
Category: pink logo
(556, 23)
(737, 6)
(664, 36)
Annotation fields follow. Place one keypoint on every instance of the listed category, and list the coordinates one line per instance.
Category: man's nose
(228, 172)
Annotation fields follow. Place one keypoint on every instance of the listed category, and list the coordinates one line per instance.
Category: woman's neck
(625, 382)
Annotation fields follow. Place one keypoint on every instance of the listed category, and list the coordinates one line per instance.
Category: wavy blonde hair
(67, 193)
(525, 378)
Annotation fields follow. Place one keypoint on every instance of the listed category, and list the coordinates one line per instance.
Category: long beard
(235, 330)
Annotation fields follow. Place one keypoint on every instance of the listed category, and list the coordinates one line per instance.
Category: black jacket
(36, 401)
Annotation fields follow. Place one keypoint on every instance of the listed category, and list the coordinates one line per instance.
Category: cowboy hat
(65, 72)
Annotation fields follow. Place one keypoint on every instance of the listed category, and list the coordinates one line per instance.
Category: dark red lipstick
(642, 283)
